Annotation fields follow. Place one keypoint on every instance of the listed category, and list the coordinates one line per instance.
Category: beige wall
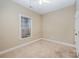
(0, 28)
(59, 25)
(10, 24)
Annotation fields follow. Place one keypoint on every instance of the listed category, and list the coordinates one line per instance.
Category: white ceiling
(45, 8)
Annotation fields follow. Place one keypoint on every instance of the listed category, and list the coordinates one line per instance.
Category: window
(25, 27)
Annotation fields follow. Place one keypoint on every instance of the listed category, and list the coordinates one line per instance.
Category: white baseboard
(19, 46)
(25, 44)
(59, 42)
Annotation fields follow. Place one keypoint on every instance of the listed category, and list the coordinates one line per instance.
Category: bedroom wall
(0, 27)
(9, 35)
(59, 25)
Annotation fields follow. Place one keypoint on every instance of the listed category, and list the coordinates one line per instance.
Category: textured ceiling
(45, 7)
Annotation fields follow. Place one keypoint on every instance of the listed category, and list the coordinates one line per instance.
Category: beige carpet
(42, 49)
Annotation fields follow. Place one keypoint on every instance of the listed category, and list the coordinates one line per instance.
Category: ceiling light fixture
(43, 2)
